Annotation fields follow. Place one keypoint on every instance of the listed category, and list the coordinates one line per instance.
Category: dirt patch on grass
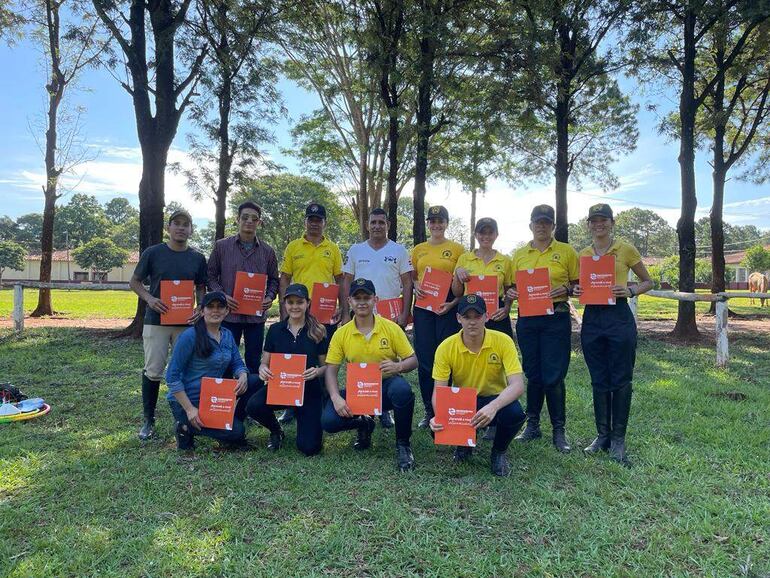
(743, 327)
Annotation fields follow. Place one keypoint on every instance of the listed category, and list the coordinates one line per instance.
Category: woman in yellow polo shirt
(608, 336)
(545, 340)
(486, 260)
(431, 328)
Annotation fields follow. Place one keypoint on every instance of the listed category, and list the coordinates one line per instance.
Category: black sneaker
(184, 438)
(425, 421)
(462, 454)
(365, 429)
(385, 420)
(148, 429)
(531, 432)
(287, 416)
(404, 456)
(275, 441)
(499, 463)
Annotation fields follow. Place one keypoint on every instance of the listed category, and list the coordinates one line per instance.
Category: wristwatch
(631, 291)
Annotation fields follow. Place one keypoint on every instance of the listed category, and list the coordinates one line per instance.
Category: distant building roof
(62, 256)
(735, 257)
(652, 261)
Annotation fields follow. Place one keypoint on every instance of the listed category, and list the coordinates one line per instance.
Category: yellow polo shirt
(560, 259)
(500, 265)
(387, 341)
(626, 256)
(443, 256)
(308, 263)
(487, 370)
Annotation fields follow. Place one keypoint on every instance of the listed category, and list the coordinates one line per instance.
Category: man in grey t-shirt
(172, 260)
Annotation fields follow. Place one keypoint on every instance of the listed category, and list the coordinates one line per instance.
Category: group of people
(461, 342)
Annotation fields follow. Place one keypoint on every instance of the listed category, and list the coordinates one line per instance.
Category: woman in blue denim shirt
(205, 350)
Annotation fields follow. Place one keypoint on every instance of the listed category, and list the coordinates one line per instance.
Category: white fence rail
(721, 300)
(18, 295)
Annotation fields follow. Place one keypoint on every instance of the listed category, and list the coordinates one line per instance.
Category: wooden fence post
(18, 309)
(723, 352)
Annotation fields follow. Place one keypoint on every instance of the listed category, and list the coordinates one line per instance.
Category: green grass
(80, 496)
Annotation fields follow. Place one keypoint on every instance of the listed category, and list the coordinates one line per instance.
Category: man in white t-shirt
(388, 265)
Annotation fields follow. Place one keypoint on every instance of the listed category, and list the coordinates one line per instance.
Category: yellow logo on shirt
(556, 257)
(384, 343)
(446, 254)
(494, 359)
(327, 253)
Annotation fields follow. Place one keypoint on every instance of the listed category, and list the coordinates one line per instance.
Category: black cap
(471, 301)
(600, 210)
(298, 290)
(438, 212)
(542, 212)
(362, 285)
(315, 210)
(179, 213)
(485, 222)
(214, 296)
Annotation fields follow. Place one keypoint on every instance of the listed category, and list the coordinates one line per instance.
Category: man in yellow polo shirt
(486, 360)
(311, 259)
(370, 338)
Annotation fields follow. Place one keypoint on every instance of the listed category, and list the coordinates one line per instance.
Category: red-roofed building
(733, 261)
(64, 269)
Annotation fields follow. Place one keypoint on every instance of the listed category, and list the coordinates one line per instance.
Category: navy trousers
(253, 336)
(608, 337)
(508, 421)
(397, 395)
(430, 330)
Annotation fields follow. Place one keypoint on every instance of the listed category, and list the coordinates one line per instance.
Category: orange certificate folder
(363, 392)
(455, 407)
(485, 286)
(217, 405)
(287, 386)
(534, 287)
(435, 285)
(249, 292)
(597, 276)
(324, 301)
(179, 297)
(390, 308)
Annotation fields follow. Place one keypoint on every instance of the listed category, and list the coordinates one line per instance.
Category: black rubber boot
(365, 429)
(621, 407)
(150, 391)
(386, 421)
(602, 413)
(557, 401)
(404, 456)
(276, 440)
(184, 438)
(535, 397)
(499, 464)
(425, 421)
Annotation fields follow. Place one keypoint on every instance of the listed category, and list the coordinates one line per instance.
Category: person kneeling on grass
(370, 338)
(205, 350)
(300, 333)
(487, 361)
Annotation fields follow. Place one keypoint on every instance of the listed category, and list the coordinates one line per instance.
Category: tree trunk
(474, 196)
(562, 111)
(55, 89)
(225, 97)
(363, 198)
(686, 327)
(424, 118)
(393, 164)
(719, 175)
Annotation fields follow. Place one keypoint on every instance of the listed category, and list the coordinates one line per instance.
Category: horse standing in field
(758, 283)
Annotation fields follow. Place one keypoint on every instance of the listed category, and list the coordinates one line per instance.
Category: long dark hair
(203, 346)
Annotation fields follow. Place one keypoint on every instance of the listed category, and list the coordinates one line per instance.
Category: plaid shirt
(230, 256)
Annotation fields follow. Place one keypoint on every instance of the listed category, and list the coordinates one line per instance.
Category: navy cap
(438, 212)
(542, 212)
(600, 210)
(298, 290)
(362, 285)
(471, 301)
(485, 222)
(315, 210)
(214, 296)
(179, 213)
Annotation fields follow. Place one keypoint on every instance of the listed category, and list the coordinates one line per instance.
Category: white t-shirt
(383, 267)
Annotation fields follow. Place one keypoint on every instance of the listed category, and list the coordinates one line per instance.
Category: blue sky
(649, 177)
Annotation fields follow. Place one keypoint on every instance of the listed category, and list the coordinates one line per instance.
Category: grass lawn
(80, 496)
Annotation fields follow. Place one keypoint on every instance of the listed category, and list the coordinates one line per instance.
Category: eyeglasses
(249, 218)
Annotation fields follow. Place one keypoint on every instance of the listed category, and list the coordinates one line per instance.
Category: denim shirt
(186, 369)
